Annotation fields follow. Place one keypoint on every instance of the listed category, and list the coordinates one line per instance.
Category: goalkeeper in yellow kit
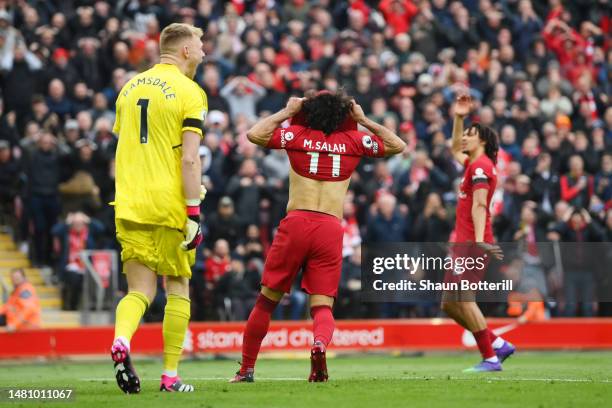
(160, 119)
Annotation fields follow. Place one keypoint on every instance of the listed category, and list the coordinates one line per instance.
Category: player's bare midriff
(315, 195)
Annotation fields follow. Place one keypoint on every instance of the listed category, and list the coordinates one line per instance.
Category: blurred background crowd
(538, 71)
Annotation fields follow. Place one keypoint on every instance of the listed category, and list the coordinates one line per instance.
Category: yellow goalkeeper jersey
(153, 110)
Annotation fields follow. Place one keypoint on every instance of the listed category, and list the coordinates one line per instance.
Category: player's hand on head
(463, 105)
(357, 112)
(294, 105)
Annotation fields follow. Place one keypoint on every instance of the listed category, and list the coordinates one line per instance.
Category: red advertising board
(350, 335)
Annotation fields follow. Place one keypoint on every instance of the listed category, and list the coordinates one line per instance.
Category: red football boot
(318, 364)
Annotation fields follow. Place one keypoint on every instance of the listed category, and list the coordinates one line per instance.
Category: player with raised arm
(476, 149)
(324, 147)
(160, 120)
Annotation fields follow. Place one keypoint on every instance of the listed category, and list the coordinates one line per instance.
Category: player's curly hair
(490, 138)
(325, 111)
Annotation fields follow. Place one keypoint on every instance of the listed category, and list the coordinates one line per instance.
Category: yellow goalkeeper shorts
(156, 247)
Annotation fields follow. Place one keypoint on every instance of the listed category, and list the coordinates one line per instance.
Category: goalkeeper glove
(193, 230)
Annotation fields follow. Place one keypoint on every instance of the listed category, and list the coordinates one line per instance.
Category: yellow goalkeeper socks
(176, 319)
(129, 313)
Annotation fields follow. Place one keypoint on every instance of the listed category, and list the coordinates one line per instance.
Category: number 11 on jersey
(314, 163)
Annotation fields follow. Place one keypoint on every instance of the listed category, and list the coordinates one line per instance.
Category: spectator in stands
(530, 153)
(526, 26)
(577, 227)
(380, 182)
(104, 140)
(218, 264)
(99, 108)
(9, 33)
(247, 189)
(237, 290)
(509, 143)
(8, 127)
(18, 84)
(603, 179)
(88, 64)
(583, 147)
(555, 103)
(242, 96)
(545, 183)
(61, 68)
(513, 202)
(398, 14)
(22, 309)
(81, 99)
(251, 247)
(77, 233)
(275, 167)
(386, 223)
(432, 225)
(349, 292)
(211, 84)
(576, 186)
(292, 305)
(58, 102)
(87, 159)
(42, 168)
(224, 224)
(111, 91)
(9, 184)
(531, 227)
(70, 137)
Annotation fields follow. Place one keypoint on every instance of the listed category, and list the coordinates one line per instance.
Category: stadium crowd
(539, 73)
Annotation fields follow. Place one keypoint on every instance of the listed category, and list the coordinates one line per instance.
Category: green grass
(560, 379)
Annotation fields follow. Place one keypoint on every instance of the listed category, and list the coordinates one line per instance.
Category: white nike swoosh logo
(468, 340)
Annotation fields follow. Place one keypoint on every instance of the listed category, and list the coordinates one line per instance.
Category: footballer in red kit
(476, 148)
(316, 156)
(324, 147)
(480, 174)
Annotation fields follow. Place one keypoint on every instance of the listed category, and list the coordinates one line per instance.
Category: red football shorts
(309, 240)
(469, 263)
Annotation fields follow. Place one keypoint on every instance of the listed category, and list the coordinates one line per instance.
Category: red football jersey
(314, 155)
(479, 174)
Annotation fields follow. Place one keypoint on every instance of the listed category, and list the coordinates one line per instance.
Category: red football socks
(323, 324)
(484, 343)
(256, 329)
(492, 336)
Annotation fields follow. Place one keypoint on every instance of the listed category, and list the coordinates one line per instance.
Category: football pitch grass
(529, 379)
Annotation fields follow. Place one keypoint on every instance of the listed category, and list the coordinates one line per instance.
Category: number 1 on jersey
(144, 127)
(314, 163)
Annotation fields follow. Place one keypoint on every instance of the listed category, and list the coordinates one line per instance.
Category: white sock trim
(498, 343)
(124, 341)
(493, 359)
(170, 373)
